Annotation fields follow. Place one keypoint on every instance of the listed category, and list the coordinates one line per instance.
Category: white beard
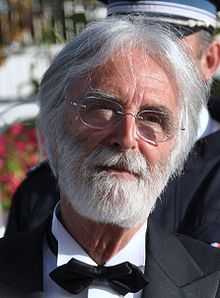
(102, 197)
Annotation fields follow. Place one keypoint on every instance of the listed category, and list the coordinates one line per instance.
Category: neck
(100, 241)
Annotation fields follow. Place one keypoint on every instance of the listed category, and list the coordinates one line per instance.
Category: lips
(117, 169)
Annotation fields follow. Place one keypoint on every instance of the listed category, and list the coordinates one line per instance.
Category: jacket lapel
(172, 272)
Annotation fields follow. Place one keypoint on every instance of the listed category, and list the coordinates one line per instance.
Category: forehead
(136, 78)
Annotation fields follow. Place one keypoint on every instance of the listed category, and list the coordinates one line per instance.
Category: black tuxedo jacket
(176, 266)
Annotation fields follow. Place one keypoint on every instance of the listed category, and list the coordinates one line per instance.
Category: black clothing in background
(33, 201)
(191, 203)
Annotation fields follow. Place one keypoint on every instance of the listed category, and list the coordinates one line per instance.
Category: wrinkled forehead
(134, 79)
(132, 68)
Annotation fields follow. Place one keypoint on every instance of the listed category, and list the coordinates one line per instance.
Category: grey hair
(205, 39)
(98, 43)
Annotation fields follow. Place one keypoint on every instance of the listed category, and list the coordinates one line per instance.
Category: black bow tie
(75, 276)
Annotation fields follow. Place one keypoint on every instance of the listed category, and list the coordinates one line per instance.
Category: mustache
(103, 158)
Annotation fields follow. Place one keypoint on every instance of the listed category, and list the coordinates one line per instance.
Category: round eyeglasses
(153, 126)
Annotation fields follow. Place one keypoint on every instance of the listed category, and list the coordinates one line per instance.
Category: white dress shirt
(207, 125)
(68, 248)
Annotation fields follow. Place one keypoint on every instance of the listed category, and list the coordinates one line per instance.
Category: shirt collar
(68, 248)
(207, 125)
(204, 119)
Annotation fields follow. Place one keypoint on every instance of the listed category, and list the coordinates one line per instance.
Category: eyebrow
(157, 108)
(100, 94)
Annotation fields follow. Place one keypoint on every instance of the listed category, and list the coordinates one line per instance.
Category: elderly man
(191, 202)
(118, 121)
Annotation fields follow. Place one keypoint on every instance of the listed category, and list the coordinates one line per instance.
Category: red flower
(2, 146)
(32, 138)
(4, 178)
(1, 163)
(33, 160)
(20, 146)
(13, 183)
(16, 129)
(18, 153)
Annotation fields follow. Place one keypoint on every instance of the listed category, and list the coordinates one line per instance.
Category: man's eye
(155, 120)
(151, 117)
(102, 113)
(96, 115)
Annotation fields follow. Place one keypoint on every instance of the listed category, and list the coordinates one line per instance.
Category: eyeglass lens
(151, 125)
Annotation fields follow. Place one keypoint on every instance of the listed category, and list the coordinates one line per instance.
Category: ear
(210, 60)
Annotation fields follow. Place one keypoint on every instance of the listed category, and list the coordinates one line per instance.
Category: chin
(122, 204)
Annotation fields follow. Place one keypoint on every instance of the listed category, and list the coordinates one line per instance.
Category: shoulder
(205, 151)
(214, 107)
(181, 250)
(39, 177)
(43, 168)
(206, 256)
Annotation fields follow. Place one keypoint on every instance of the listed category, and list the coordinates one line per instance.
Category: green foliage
(50, 36)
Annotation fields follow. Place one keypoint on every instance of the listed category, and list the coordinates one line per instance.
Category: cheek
(86, 136)
(156, 154)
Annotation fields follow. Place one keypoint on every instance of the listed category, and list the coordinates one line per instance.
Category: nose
(124, 135)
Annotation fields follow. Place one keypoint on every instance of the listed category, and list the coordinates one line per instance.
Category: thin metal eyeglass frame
(119, 112)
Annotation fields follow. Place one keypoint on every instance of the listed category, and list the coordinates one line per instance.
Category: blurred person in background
(190, 204)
